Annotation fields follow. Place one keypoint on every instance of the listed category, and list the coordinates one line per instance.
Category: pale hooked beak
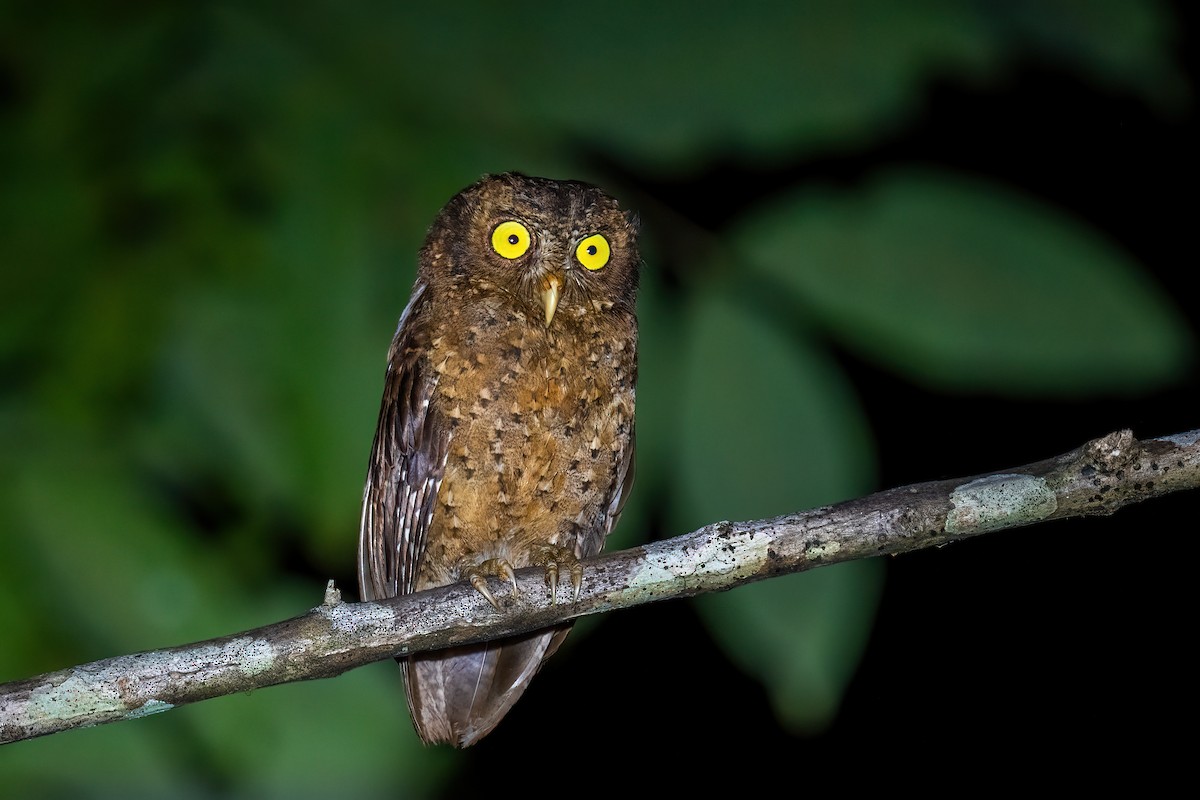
(551, 290)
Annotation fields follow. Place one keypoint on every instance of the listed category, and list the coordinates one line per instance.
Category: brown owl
(506, 435)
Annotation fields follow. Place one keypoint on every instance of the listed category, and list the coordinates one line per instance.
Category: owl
(506, 433)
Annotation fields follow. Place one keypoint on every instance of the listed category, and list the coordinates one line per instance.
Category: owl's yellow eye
(510, 239)
(593, 252)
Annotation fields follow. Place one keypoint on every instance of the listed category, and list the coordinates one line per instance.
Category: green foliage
(967, 286)
(208, 227)
(770, 426)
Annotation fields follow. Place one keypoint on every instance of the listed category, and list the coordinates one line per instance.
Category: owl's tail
(456, 696)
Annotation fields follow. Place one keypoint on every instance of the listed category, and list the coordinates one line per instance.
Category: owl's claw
(497, 567)
(552, 557)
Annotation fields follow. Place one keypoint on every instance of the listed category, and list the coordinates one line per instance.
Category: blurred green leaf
(970, 286)
(676, 83)
(801, 635)
(317, 737)
(132, 758)
(1127, 46)
(126, 576)
(769, 426)
(657, 410)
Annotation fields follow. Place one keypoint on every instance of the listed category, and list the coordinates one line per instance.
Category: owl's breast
(538, 423)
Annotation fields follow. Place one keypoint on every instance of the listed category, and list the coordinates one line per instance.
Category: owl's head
(557, 250)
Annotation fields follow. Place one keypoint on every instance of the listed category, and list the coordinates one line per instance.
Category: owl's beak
(551, 289)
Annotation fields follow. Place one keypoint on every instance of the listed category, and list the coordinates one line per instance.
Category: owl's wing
(408, 459)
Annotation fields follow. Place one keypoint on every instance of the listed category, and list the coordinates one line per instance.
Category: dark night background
(148, 357)
(1062, 648)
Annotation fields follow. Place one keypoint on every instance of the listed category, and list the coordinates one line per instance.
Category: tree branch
(1097, 478)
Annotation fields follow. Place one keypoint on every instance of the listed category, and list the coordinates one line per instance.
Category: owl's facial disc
(551, 286)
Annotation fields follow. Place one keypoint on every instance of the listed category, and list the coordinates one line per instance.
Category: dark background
(1045, 653)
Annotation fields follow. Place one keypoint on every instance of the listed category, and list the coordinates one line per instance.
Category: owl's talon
(551, 558)
(480, 584)
(576, 580)
(552, 582)
(496, 567)
(506, 571)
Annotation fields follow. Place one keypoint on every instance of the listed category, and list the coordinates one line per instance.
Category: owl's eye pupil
(591, 249)
(513, 238)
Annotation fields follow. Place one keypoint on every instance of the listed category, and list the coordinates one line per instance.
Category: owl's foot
(554, 558)
(496, 567)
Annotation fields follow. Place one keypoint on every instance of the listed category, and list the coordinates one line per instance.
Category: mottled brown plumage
(506, 433)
